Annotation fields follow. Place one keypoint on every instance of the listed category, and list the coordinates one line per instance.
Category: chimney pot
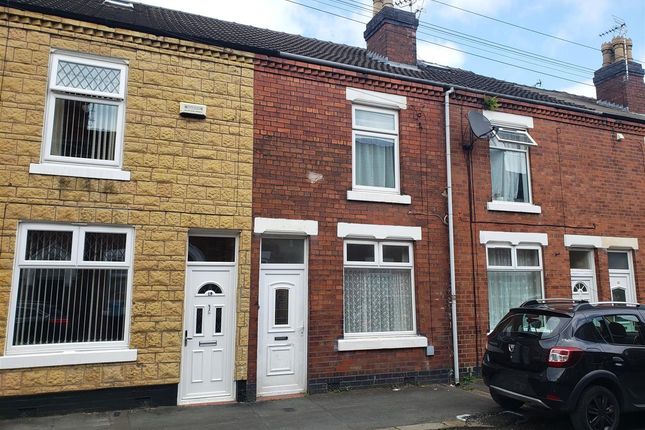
(620, 79)
(630, 45)
(380, 4)
(607, 53)
(619, 48)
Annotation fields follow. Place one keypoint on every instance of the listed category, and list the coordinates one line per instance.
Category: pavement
(405, 408)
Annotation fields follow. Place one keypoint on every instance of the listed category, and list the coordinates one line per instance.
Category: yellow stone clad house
(125, 194)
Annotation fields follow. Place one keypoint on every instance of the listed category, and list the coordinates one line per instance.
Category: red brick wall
(629, 93)
(586, 183)
(397, 43)
(303, 124)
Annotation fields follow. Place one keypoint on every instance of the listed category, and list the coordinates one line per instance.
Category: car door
(625, 350)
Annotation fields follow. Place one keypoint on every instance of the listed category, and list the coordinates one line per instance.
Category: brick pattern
(625, 92)
(397, 43)
(186, 174)
(303, 126)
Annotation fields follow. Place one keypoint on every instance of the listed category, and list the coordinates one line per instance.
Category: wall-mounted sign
(192, 110)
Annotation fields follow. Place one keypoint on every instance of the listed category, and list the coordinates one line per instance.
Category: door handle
(618, 361)
(186, 338)
(302, 330)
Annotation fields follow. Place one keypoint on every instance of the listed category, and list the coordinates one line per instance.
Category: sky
(450, 34)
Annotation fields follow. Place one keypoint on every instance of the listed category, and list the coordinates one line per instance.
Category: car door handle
(618, 361)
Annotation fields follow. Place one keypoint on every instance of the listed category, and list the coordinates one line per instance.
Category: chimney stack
(620, 79)
(392, 33)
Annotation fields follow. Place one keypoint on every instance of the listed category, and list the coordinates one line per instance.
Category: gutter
(451, 240)
(447, 86)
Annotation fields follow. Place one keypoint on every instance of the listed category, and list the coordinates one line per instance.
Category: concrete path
(407, 408)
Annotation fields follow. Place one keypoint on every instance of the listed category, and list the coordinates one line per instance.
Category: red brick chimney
(620, 79)
(392, 33)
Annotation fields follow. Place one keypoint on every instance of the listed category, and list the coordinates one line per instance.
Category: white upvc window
(378, 289)
(510, 166)
(71, 293)
(84, 118)
(514, 276)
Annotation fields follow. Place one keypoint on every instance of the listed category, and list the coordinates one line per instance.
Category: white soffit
(285, 226)
(604, 242)
(513, 238)
(508, 119)
(374, 98)
(376, 231)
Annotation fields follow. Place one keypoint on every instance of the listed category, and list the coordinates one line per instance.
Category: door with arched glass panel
(209, 321)
(282, 330)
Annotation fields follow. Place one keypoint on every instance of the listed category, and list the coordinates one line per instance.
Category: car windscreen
(541, 326)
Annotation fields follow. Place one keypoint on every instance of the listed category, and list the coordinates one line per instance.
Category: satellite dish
(479, 124)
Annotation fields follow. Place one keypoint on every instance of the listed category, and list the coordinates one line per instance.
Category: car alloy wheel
(598, 409)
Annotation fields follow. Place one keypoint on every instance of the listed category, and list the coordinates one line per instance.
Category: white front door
(282, 328)
(208, 344)
(583, 275)
(621, 277)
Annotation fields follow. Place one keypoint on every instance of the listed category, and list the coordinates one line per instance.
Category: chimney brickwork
(392, 33)
(617, 83)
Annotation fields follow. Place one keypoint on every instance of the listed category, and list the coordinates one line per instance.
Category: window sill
(66, 358)
(371, 196)
(513, 207)
(93, 172)
(395, 342)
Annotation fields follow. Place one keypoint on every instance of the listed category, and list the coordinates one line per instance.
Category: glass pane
(49, 245)
(214, 249)
(218, 320)
(509, 289)
(86, 77)
(618, 260)
(104, 247)
(579, 259)
(209, 290)
(360, 252)
(509, 177)
(70, 305)
(375, 161)
(528, 258)
(379, 120)
(283, 251)
(282, 307)
(84, 129)
(513, 135)
(396, 254)
(532, 325)
(618, 295)
(499, 257)
(199, 316)
(377, 300)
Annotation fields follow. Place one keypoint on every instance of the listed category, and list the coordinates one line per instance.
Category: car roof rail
(590, 305)
(534, 302)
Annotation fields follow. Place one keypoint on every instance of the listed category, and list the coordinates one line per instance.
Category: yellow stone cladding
(185, 174)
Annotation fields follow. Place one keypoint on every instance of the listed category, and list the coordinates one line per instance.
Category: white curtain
(509, 175)
(508, 289)
(375, 161)
(378, 300)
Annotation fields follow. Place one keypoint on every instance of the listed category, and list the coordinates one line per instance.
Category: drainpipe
(451, 240)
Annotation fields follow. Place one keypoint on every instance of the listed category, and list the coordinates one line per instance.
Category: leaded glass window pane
(88, 77)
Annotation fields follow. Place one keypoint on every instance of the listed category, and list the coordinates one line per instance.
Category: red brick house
(387, 240)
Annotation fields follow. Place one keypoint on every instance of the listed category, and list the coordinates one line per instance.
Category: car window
(589, 332)
(620, 329)
(538, 325)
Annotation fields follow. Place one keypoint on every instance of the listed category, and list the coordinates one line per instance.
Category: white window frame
(77, 352)
(514, 266)
(516, 124)
(379, 264)
(630, 290)
(83, 167)
(376, 132)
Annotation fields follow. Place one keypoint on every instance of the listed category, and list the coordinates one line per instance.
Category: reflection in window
(283, 251)
(49, 245)
(360, 252)
(282, 306)
(618, 260)
(579, 260)
(104, 246)
(218, 320)
(212, 249)
(199, 316)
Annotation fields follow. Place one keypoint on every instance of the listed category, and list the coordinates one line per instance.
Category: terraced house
(328, 221)
(126, 211)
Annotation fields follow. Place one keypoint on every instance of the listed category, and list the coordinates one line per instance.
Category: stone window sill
(371, 196)
(93, 172)
(513, 207)
(394, 342)
(67, 358)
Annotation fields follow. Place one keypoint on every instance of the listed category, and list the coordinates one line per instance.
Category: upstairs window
(376, 149)
(84, 115)
(509, 165)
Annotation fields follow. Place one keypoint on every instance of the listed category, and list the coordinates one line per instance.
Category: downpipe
(451, 240)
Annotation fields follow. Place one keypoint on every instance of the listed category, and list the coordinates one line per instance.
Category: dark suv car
(585, 359)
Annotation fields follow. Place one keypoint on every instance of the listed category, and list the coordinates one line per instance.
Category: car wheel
(597, 409)
(506, 402)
